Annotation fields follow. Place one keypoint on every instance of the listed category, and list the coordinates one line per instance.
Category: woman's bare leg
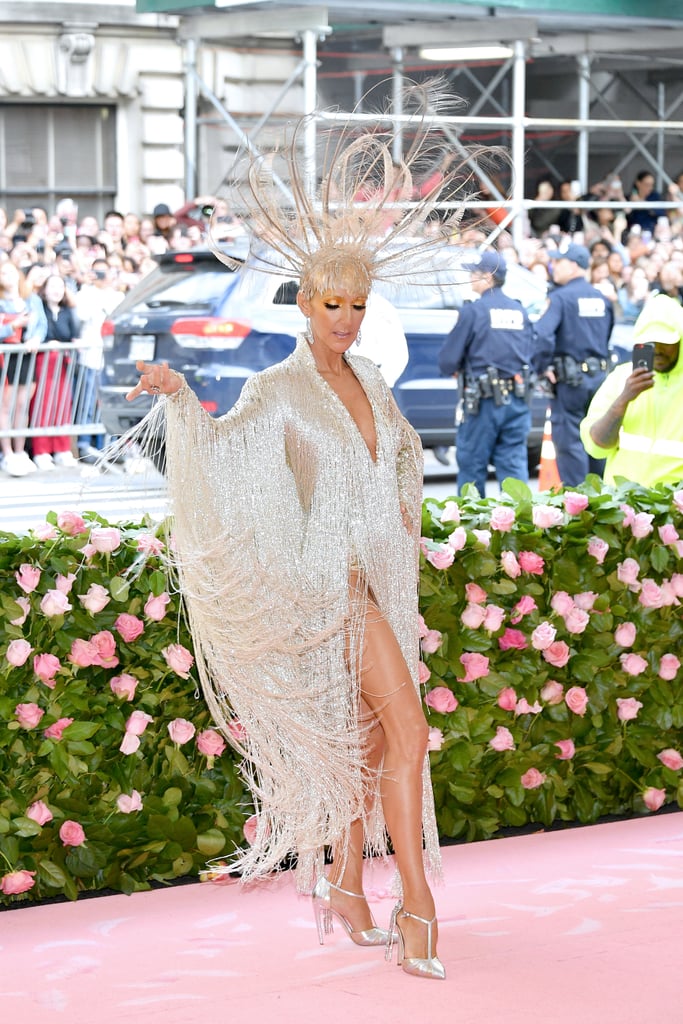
(388, 690)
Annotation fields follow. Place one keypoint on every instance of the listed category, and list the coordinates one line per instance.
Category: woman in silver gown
(296, 533)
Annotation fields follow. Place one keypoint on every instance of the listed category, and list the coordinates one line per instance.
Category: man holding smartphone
(635, 420)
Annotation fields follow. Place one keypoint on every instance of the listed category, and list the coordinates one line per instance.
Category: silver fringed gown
(274, 505)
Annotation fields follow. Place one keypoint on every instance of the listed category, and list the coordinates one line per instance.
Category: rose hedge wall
(551, 638)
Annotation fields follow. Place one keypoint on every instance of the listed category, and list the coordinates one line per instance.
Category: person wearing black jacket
(491, 352)
(573, 337)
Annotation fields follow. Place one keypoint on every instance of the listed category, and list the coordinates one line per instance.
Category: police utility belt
(493, 385)
(570, 371)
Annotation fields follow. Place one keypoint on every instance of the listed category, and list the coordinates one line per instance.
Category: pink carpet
(583, 925)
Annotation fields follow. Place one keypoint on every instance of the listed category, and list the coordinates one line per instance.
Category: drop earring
(309, 333)
(358, 338)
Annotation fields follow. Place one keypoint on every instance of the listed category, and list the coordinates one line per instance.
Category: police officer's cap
(488, 263)
(578, 254)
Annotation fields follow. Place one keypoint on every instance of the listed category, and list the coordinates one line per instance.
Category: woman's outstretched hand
(155, 379)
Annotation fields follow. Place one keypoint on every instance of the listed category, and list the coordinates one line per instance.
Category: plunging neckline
(373, 457)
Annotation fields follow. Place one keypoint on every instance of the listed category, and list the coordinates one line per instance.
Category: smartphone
(644, 356)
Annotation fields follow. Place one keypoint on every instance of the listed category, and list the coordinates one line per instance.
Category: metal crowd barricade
(55, 399)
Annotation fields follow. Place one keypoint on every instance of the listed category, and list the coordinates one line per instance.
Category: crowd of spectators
(634, 253)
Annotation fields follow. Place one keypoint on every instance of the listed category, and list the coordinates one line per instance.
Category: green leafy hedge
(552, 635)
(102, 789)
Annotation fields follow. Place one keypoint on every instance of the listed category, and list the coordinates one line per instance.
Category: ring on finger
(155, 388)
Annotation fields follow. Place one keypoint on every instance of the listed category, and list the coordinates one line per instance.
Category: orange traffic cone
(548, 475)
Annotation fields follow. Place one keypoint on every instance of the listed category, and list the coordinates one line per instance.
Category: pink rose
(250, 829)
(105, 649)
(670, 758)
(475, 594)
(129, 744)
(531, 563)
(54, 731)
(641, 524)
(210, 743)
(510, 565)
(457, 539)
(28, 715)
(652, 595)
(129, 627)
(105, 539)
(39, 812)
(442, 557)
(627, 708)
(25, 606)
(668, 666)
(71, 523)
(625, 634)
(545, 516)
(576, 620)
(598, 549)
(124, 686)
(237, 730)
(503, 740)
(567, 749)
(88, 550)
(55, 603)
(46, 667)
(476, 666)
(668, 534)
(450, 513)
(562, 603)
(441, 699)
(507, 699)
(127, 804)
(71, 833)
(155, 607)
(493, 619)
(633, 664)
(552, 692)
(668, 594)
(628, 571)
(473, 616)
(532, 779)
(423, 673)
(18, 652)
(677, 498)
(82, 654)
(483, 537)
(654, 798)
(149, 544)
(65, 583)
(435, 739)
(431, 641)
(96, 598)
(16, 882)
(629, 514)
(45, 531)
(525, 708)
(422, 627)
(28, 577)
(512, 639)
(585, 600)
(543, 636)
(179, 659)
(576, 700)
(557, 654)
(138, 722)
(180, 730)
(502, 518)
(574, 503)
(524, 606)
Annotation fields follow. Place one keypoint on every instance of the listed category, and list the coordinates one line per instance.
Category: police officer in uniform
(573, 338)
(491, 351)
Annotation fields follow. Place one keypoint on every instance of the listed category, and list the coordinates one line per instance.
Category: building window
(50, 152)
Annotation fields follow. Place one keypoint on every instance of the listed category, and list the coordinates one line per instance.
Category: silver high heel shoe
(324, 912)
(429, 967)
